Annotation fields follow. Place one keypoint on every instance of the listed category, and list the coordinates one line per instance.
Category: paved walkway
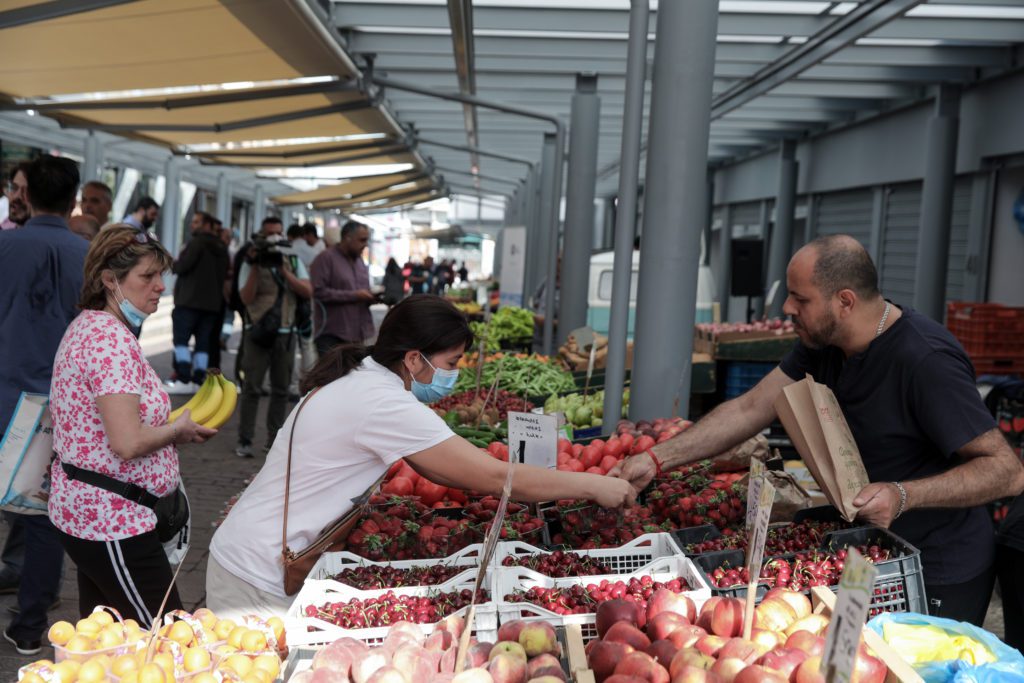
(212, 474)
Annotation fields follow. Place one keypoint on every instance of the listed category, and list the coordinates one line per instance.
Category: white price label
(759, 533)
(538, 436)
(755, 483)
(855, 590)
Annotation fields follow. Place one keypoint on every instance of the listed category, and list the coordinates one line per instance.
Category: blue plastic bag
(1008, 669)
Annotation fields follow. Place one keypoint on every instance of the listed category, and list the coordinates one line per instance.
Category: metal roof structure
(784, 69)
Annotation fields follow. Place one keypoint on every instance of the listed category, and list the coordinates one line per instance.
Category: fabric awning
(348, 189)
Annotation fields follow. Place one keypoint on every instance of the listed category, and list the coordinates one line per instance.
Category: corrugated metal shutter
(899, 248)
(747, 214)
(957, 268)
(847, 212)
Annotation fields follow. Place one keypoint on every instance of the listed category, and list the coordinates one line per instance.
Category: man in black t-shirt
(931, 449)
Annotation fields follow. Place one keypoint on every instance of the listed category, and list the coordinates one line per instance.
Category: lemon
(61, 632)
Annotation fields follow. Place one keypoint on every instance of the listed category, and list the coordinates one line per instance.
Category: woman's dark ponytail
(422, 322)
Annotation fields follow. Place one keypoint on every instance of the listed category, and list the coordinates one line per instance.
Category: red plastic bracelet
(657, 463)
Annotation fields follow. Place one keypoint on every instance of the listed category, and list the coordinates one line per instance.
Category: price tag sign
(759, 533)
(755, 483)
(539, 434)
(855, 590)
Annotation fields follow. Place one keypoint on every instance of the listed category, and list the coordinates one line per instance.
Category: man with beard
(144, 216)
(907, 388)
(17, 213)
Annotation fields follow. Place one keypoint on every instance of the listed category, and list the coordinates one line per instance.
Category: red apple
(603, 657)
(538, 638)
(694, 674)
(687, 636)
(710, 645)
(784, 659)
(728, 667)
(867, 668)
(540, 662)
(620, 678)
(810, 671)
(813, 623)
(800, 603)
(659, 626)
(478, 654)
(642, 666)
(769, 640)
(707, 610)
(746, 650)
(510, 630)
(505, 647)
(813, 645)
(549, 674)
(663, 651)
(507, 668)
(612, 611)
(689, 657)
(727, 619)
(664, 600)
(624, 632)
(774, 615)
(759, 674)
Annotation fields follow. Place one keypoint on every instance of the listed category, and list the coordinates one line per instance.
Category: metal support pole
(765, 222)
(287, 214)
(224, 199)
(725, 264)
(541, 242)
(579, 205)
(170, 211)
(92, 166)
(553, 225)
(782, 234)
(531, 219)
(937, 204)
(259, 208)
(674, 198)
(625, 213)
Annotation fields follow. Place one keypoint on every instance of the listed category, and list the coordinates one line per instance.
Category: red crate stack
(992, 335)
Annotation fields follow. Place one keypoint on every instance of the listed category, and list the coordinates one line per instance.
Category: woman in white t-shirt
(369, 412)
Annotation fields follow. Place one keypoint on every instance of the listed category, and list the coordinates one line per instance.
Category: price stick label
(755, 482)
(855, 590)
(540, 435)
(755, 550)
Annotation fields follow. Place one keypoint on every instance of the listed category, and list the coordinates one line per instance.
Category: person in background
(218, 342)
(40, 280)
(394, 283)
(421, 278)
(201, 268)
(144, 215)
(1010, 571)
(463, 273)
(307, 246)
(97, 201)
(268, 280)
(17, 210)
(341, 288)
(306, 242)
(84, 226)
(110, 428)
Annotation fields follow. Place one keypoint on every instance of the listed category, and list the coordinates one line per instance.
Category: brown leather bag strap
(288, 472)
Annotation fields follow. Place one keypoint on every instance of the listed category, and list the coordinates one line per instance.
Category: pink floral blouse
(99, 356)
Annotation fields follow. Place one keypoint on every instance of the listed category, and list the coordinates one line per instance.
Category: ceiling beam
(460, 20)
(55, 9)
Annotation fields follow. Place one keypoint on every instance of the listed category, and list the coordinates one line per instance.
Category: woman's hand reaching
(612, 492)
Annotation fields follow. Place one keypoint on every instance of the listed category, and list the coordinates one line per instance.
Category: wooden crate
(824, 601)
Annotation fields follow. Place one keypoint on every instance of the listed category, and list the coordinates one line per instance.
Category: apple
(746, 650)
(687, 636)
(784, 659)
(625, 632)
(759, 674)
(813, 623)
(800, 603)
(541, 661)
(612, 611)
(603, 657)
(473, 676)
(642, 666)
(689, 657)
(660, 625)
(363, 668)
(621, 678)
(727, 619)
(813, 645)
(663, 651)
(478, 654)
(506, 647)
(548, 673)
(769, 640)
(728, 667)
(707, 610)
(710, 644)
(387, 674)
(810, 671)
(510, 630)
(867, 668)
(693, 674)
(538, 638)
(334, 657)
(774, 615)
(507, 668)
(664, 600)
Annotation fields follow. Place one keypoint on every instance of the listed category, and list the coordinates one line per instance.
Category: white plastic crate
(304, 631)
(637, 555)
(331, 564)
(510, 579)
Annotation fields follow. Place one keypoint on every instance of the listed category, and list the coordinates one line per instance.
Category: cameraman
(272, 280)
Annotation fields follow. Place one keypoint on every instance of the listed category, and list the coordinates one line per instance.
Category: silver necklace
(885, 316)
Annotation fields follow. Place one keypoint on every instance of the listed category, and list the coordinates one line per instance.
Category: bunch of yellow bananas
(213, 404)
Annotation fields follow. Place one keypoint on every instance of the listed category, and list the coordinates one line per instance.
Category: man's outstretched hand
(638, 470)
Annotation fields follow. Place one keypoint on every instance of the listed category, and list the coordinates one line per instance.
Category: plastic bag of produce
(942, 650)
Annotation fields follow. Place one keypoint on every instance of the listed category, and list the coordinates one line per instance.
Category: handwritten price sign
(855, 590)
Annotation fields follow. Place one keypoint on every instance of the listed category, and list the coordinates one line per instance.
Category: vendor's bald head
(828, 279)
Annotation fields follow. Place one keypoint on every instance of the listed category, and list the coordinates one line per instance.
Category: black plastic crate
(708, 562)
(695, 534)
(899, 586)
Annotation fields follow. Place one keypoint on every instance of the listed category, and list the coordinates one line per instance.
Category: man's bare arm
(727, 425)
(992, 471)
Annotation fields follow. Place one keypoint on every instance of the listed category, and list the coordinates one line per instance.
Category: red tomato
(399, 486)
(613, 447)
(575, 465)
(591, 456)
(393, 470)
(597, 443)
(457, 496)
(494, 448)
(608, 462)
(642, 444)
(429, 492)
(562, 458)
(564, 446)
(594, 470)
(577, 448)
(627, 443)
(408, 472)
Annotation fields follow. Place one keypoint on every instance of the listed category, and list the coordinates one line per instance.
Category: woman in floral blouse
(110, 417)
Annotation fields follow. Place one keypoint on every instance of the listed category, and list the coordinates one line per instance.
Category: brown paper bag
(812, 418)
(738, 457)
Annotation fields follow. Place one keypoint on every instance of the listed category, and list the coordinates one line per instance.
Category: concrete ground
(212, 474)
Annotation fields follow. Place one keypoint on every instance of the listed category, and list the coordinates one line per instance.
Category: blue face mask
(440, 386)
(133, 315)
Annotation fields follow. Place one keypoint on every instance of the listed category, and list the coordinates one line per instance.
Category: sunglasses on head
(145, 237)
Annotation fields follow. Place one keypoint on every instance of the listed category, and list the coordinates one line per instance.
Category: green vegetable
(508, 324)
(521, 376)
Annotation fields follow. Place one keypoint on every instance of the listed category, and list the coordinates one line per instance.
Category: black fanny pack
(171, 511)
